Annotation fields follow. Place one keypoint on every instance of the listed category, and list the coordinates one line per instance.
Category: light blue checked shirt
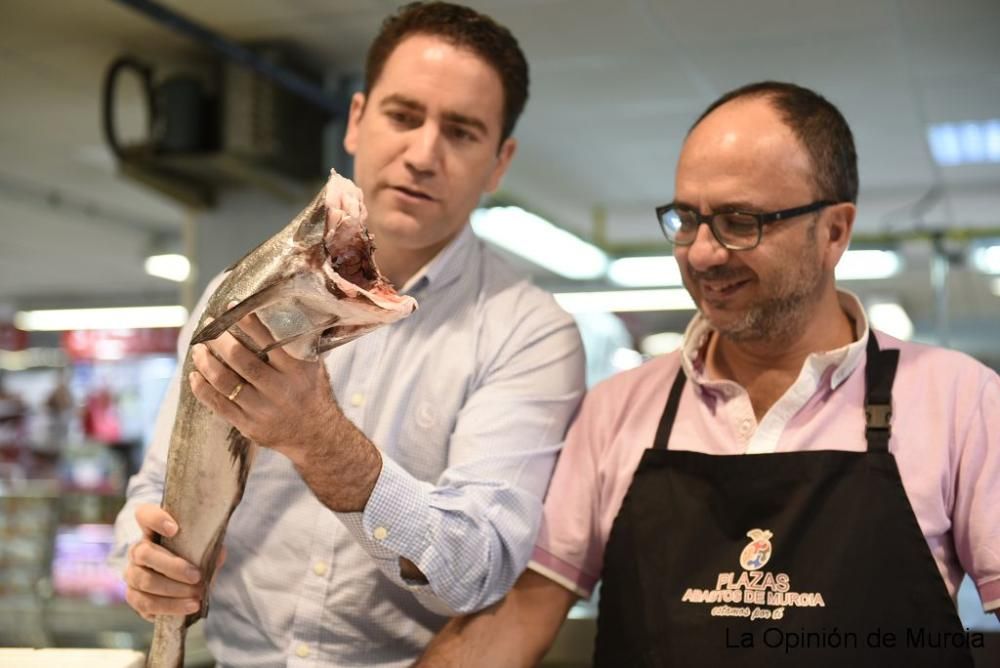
(468, 400)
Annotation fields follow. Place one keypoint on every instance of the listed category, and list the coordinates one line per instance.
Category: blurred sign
(115, 344)
(12, 338)
(79, 564)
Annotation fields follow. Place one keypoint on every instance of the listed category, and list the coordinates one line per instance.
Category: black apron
(789, 559)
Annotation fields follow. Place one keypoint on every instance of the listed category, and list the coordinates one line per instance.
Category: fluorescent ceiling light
(645, 272)
(987, 259)
(539, 241)
(29, 358)
(625, 358)
(662, 270)
(172, 267)
(621, 301)
(135, 317)
(867, 265)
(966, 143)
(891, 318)
(661, 343)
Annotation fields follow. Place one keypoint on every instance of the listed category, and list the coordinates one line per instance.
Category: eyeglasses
(736, 230)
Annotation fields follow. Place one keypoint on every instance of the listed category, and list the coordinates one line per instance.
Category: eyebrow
(449, 116)
(732, 205)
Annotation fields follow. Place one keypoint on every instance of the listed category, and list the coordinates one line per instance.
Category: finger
(255, 329)
(220, 405)
(230, 385)
(236, 343)
(149, 606)
(149, 582)
(147, 554)
(151, 518)
(261, 335)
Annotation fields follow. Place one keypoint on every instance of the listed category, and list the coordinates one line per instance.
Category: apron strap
(880, 372)
(670, 412)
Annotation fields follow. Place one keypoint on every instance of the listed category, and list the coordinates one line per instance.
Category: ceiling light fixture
(965, 143)
(986, 259)
(661, 343)
(539, 241)
(645, 272)
(858, 265)
(133, 317)
(171, 266)
(621, 301)
(891, 318)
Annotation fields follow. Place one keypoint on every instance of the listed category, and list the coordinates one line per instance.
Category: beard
(782, 313)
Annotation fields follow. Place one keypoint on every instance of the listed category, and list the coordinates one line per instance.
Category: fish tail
(167, 649)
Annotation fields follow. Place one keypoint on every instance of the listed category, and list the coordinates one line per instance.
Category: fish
(315, 286)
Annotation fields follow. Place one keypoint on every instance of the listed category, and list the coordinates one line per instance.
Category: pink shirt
(943, 403)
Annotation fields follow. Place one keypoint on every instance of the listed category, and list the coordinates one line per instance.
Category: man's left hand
(287, 405)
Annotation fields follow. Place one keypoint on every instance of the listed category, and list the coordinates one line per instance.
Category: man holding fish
(400, 477)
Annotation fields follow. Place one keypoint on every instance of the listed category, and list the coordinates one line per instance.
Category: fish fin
(322, 347)
(242, 450)
(229, 318)
(249, 343)
(284, 342)
(315, 218)
(239, 449)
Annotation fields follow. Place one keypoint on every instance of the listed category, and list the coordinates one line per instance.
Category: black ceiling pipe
(238, 54)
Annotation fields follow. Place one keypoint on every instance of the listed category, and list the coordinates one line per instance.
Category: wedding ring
(236, 391)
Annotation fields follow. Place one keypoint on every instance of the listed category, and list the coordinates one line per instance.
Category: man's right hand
(159, 582)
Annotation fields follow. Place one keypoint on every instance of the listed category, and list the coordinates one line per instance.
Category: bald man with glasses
(789, 488)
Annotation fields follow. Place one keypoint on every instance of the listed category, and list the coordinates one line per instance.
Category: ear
(839, 224)
(504, 156)
(353, 119)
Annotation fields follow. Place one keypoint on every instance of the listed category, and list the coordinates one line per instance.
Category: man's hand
(158, 581)
(287, 405)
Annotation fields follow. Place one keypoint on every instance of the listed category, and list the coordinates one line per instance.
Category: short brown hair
(818, 125)
(465, 28)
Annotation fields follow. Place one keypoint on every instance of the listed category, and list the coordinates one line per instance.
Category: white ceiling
(615, 86)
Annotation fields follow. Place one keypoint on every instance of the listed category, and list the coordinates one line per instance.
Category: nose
(423, 152)
(706, 251)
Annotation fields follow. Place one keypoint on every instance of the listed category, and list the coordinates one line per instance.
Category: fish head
(332, 290)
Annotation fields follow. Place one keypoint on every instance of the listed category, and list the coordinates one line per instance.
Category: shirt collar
(445, 267)
(844, 359)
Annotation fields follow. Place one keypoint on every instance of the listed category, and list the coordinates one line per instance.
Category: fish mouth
(350, 250)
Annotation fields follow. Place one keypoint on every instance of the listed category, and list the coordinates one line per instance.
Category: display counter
(71, 658)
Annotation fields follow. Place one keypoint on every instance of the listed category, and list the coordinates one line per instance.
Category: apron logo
(753, 593)
(756, 554)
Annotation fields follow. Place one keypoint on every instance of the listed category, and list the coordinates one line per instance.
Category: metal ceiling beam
(237, 53)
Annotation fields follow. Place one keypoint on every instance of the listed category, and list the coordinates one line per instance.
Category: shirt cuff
(989, 594)
(562, 573)
(395, 521)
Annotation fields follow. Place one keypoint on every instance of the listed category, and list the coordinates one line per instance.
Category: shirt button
(319, 568)
(746, 426)
(357, 399)
(380, 533)
(302, 651)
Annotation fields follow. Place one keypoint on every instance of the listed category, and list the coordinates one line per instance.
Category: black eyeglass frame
(761, 218)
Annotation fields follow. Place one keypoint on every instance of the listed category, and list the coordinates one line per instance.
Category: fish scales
(291, 282)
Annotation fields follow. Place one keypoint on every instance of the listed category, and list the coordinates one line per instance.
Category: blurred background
(145, 146)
